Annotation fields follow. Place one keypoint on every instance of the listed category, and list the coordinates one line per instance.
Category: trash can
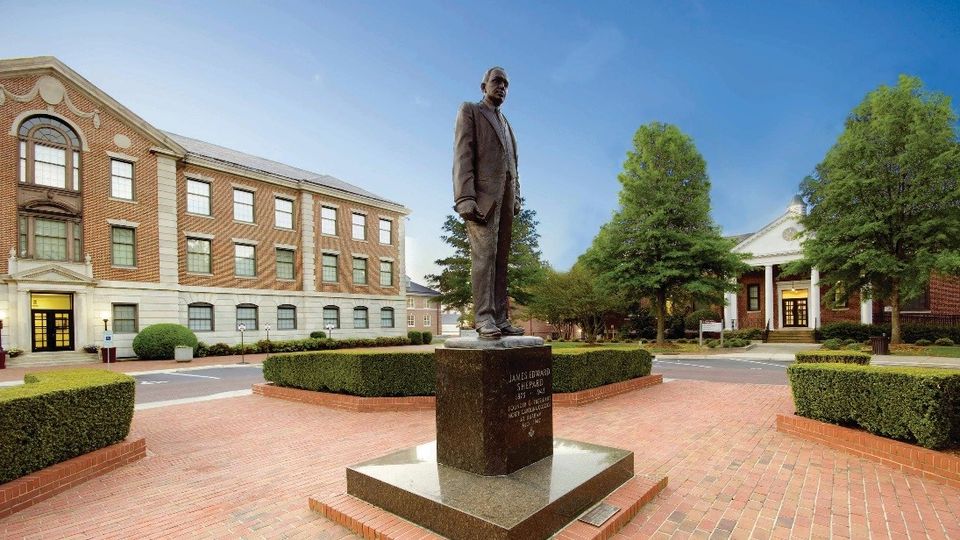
(880, 344)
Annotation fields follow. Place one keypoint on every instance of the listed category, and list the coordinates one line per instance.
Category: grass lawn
(652, 347)
(932, 350)
(580, 345)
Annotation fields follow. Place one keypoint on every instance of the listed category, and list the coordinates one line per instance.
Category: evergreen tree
(525, 269)
(662, 244)
(884, 204)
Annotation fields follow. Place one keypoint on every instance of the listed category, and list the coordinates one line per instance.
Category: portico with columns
(769, 297)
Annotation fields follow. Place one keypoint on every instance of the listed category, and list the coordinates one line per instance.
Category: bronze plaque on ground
(599, 514)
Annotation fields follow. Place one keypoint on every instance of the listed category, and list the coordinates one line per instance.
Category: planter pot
(183, 353)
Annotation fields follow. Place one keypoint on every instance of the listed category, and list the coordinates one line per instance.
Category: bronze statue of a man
(486, 193)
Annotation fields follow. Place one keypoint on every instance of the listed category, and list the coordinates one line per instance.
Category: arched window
(286, 317)
(386, 317)
(248, 315)
(200, 317)
(331, 317)
(49, 153)
(360, 319)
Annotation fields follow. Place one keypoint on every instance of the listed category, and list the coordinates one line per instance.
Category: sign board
(711, 326)
(241, 327)
(108, 339)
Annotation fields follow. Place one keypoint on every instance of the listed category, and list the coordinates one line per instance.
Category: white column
(730, 311)
(768, 296)
(308, 242)
(813, 303)
(866, 308)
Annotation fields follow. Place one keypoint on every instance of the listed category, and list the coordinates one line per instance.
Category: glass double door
(794, 312)
(52, 330)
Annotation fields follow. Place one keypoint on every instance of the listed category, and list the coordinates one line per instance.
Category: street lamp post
(241, 328)
(267, 328)
(330, 328)
(108, 350)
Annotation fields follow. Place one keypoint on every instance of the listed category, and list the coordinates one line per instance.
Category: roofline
(50, 64)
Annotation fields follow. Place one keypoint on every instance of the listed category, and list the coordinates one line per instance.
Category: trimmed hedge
(911, 404)
(376, 374)
(297, 345)
(909, 332)
(415, 337)
(426, 337)
(579, 369)
(156, 342)
(370, 374)
(833, 357)
(59, 415)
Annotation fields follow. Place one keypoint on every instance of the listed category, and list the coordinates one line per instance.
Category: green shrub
(264, 346)
(944, 342)
(712, 343)
(58, 415)
(360, 374)
(911, 404)
(832, 344)
(202, 350)
(849, 341)
(852, 330)
(854, 346)
(246, 348)
(580, 369)
(156, 342)
(745, 333)
(318, 334)
(735, 342)
(692, 321)
(415, 337)
(427, 337)
(219, 349)
(922, 342)
(838, 357)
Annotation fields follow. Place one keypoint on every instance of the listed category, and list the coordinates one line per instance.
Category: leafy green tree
(565, 299)
(662, 244)
(525, 269)
(884, 204)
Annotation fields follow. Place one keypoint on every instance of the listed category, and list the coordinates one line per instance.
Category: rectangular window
(121, 179)
(23, 161)
(411, 302)
(283, 213)
(328, 220)
(200, 318)
(244, 260)
(285, 264)
(386, 273)
(360, 318)
(124, 246)
(198, 255)
(386, 231)
(198, 197)
(247, 316)
(920, 303)
(286, 318)
(50, 239)
(23, 236)
(243, 205)
(359, 222)
(427, 320)
(359, 271)
(386, 318)
(125, 318)
(329, 268)
(50, 166)
(77, 242)
(411, 320)
(753, 298)
(76, 171)
(331, 317)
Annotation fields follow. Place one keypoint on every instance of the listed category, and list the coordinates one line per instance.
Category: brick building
(767, 296)
(107, 217)
(423, 308)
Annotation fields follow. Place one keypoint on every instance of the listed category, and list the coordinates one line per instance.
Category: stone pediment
(52, 273)
(777, 238)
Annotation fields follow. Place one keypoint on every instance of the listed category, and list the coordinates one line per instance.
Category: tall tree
(526, 265)
(884, 204)
(661, 243)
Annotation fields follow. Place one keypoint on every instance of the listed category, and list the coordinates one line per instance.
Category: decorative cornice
(53, 93)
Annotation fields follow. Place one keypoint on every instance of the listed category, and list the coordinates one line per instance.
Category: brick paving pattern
(245, 467)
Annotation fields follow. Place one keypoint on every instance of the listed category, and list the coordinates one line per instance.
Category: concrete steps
(60, 358)
(791, 336)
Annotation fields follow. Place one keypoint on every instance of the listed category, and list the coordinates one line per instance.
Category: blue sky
(368, 91)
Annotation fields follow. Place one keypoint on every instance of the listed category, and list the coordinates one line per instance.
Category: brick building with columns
(769, 297)
(105, 216)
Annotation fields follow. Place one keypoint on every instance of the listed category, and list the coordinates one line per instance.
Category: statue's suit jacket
(481, 165)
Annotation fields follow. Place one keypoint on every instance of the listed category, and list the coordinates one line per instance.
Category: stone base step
(791, 336)
(64, 358)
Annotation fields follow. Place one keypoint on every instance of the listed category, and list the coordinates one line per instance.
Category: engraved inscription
(530, 399)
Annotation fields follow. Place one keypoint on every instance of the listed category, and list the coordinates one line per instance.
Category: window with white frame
(359, 271)
(244, 260)
(198, 197)
(243, 205)
(359, 222)
(411, 302)
(50, 239)
(283, 213)
(247, 315)
(386, 317)
(286, 317)
(427, 320)
(121, 179)
(328, 220)
(386, 231)
(49, 153)
(123, 249)
(200, 317)
(329, 267)
(411, 320)
(125, 319)
(285, 264)
(386, 273)
(360, 319)
(198, 255)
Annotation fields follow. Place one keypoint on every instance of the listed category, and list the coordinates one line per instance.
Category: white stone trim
(308, 239)
(15, 127)
(190, 175)
(243, 187)
(123, 223)
(325, 251)
(167, 220)
(122, 157)
(359, 255)
(285, 246)
(245, 241)
(387, 259)
(198, 235)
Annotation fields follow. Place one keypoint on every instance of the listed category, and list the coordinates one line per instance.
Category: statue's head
(494, 85)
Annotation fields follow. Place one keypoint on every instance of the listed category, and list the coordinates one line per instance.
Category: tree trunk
(895, 315)
(661, 307)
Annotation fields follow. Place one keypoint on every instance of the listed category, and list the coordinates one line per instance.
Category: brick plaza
(245, 467)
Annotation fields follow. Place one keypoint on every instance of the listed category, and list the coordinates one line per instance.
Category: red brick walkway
(244, 467)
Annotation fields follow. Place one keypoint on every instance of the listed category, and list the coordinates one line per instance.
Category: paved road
(734, 370)
(195, 382)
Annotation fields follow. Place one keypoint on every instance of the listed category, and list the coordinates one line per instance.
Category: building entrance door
(52, 316)
(794, 312)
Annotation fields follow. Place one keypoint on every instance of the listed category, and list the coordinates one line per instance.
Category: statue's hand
(469, 211)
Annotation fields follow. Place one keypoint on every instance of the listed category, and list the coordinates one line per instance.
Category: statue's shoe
(508, 329)
(488, 331)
